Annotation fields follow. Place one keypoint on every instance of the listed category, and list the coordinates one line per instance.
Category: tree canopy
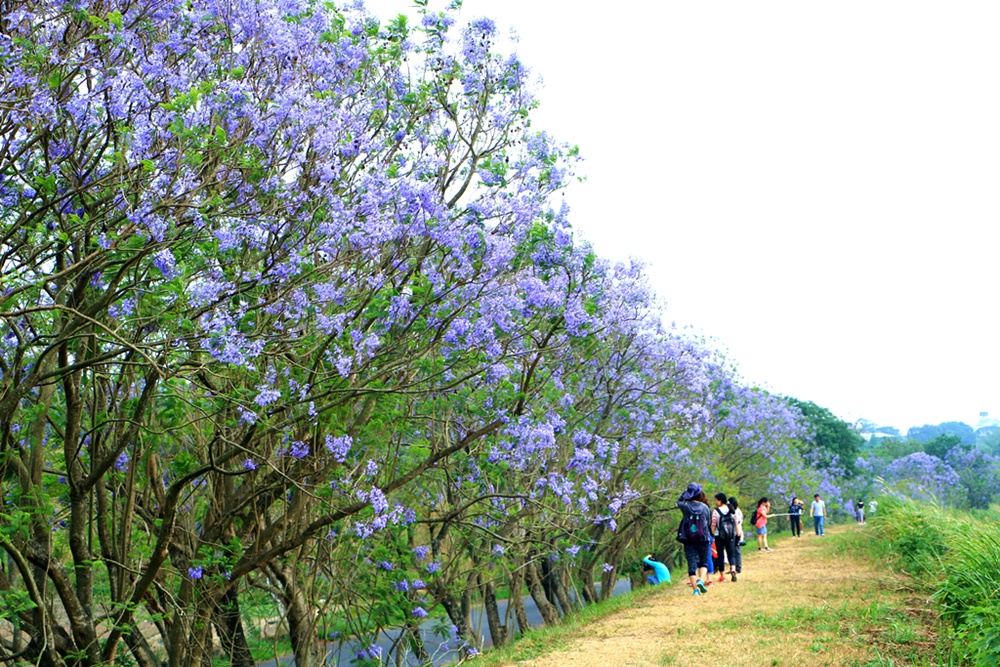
(832, 444)
(965, 433)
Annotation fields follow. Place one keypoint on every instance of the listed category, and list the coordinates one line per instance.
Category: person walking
(861, 512)
(818, 512)
(761, 516)
(795, 516)
(724, 531)
(734, 507)
(695, 534)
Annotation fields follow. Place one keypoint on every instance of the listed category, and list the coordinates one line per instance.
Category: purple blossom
(165, 262)
(298, 449)
(419, 612)
(195, 572)
(266, 396)
(339, 447)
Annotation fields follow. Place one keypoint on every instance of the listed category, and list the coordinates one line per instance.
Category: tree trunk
(517, 599)
(301, 619)
(587, 579)
(472, 583)
(454, 609)
(416, 642)
(558, 589)
(498, 629)
(550, 615)
(140, 648)
(229, 626)
(608, 580)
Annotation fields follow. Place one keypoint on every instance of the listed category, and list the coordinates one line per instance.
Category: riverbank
(812, 602)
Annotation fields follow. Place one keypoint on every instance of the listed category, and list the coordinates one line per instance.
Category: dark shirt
(795, 509)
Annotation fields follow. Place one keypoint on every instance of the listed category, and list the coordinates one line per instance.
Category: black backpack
(693, 528)
(726, 525)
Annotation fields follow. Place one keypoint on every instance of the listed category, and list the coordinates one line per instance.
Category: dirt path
(807, 603)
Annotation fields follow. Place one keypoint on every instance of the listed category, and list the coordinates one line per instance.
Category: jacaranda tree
(290, 310)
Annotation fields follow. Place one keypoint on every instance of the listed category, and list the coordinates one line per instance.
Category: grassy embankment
(953, 558)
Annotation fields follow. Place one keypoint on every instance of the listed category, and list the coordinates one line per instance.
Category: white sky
(816, 185)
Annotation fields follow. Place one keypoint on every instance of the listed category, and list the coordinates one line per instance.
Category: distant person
(760, 518)
(695, 534)
(734, 506)
(818, 512)
(725, 533)
(872, 506)
(861, 512)
(661, 575)
(795, 510)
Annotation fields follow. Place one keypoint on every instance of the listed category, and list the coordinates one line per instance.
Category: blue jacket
(662, 573)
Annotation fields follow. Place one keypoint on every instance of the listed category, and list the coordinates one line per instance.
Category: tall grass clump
(914, 537)
(957, 554)
(970, 594)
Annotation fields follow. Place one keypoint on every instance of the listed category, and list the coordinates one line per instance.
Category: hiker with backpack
(734, 507)
(759, 521)
(694, 533)
(724, 530)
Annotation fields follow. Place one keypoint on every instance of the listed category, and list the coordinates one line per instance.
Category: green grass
(540, 641)
(953, 557)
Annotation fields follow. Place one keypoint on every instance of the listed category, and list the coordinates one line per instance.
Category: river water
(441, 650)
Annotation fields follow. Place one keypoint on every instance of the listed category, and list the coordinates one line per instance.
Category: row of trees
(943, 469)
(289, 308)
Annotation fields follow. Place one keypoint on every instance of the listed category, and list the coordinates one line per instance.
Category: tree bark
(550, 615)
(553, 576)
(301, 618)
(229, 626)
(452, 605)
(517, 598)
(498, 629)
(587, 579)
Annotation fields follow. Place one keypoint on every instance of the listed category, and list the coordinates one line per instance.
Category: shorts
(762, 530)
(697, 556)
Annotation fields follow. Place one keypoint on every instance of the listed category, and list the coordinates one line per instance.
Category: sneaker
(769, 549)
(733, 575)
(702, 587)
(696, 592)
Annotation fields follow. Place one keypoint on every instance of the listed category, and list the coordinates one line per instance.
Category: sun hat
(692, 492)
